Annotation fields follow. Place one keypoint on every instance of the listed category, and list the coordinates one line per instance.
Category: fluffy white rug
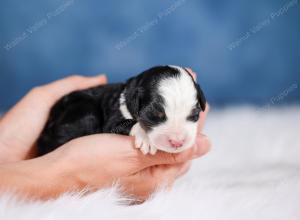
(252, 172)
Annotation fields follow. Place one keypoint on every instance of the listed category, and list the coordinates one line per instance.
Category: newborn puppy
(160, 107)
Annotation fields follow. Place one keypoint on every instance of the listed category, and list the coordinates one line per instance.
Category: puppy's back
(79, 114)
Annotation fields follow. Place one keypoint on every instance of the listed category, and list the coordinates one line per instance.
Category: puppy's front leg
(141, 140)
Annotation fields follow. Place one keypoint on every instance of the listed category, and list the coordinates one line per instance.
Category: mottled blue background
(122, 38)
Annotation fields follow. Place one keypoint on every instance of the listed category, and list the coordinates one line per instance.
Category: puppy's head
(166, 101)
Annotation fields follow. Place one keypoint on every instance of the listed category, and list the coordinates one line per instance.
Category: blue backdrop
(243, 51)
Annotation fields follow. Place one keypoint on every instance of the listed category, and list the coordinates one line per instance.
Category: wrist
(83, 169)
(41, 178)
(57, 175)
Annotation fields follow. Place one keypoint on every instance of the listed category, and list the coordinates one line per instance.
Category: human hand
(22, 125)
(98, 161)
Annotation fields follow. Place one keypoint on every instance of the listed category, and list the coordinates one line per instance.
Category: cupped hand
(101, 160)
(21, 126)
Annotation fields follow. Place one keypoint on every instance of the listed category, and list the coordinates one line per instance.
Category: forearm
(39, 178)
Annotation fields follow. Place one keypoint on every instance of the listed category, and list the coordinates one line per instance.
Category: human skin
(91, 162)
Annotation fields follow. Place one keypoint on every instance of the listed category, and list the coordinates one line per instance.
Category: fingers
(200, 148)
(173, 171)
(194, 75)
(142, 184)
(79, 82)
(73, 83)
(184, 169)
(121, 148)
(165, 175)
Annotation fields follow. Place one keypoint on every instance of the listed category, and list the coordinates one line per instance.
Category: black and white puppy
(160, 107)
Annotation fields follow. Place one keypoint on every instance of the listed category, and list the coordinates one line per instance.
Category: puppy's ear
(200, 96)
(134, 95)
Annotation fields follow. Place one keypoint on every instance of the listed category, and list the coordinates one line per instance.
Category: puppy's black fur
(97, 110)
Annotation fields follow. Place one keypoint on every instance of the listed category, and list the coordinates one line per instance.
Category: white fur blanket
(252, 172)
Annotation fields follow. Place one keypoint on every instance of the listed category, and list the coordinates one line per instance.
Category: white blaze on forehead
(179, 94)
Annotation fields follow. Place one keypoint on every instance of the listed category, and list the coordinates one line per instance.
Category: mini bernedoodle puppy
(160, 107)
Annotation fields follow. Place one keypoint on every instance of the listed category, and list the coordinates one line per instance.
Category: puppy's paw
(153, 150)
(147, 148)
(141, 139)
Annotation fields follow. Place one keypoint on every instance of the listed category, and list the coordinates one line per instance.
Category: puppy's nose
(176, 143)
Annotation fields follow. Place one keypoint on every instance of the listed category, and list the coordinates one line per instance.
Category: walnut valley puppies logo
(38, 25)
(280, 97)
(262, 24)
(149, 24)
(117, 130)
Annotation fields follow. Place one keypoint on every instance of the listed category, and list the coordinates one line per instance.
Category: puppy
(160, 107)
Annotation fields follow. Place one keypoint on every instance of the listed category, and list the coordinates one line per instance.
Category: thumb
(73, 83)
(200, 148)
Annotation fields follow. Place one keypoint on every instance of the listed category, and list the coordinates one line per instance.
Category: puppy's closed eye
(194, 116)
(153, 115)
(160, 115)
(157, 115)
